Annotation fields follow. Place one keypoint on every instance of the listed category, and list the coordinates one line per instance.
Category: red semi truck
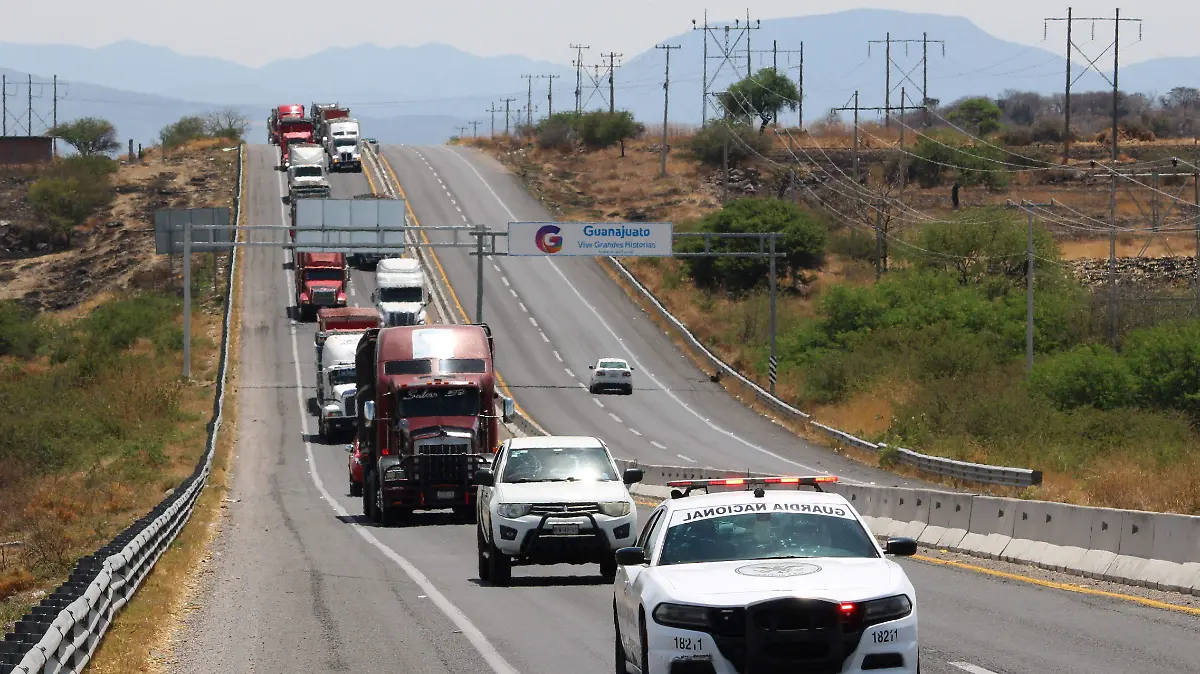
(289, 111)
(320, 282)
(426, 417)
(292, 131)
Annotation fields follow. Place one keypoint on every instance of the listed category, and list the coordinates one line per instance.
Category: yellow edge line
(1032, 581)
(1060, 586)
(442, 272)
(367, 173)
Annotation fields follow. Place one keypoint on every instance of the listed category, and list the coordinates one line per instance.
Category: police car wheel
(608, 567)
(645, 662)
(618, 648)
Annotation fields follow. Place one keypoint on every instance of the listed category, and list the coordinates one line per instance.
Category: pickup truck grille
(559, 508)
(445, 464)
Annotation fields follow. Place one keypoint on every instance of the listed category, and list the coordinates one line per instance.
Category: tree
(186, 129)
(803, 241)
(708, 145)
(979, 245)
(599, 130)
(226, 123)
(979, 113)
(89, 135)
(761, 95)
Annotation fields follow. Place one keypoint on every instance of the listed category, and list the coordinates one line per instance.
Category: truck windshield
(413, 294)
(341, 375)
(558, 464)
(345, 142)
(323, 275)
(438, 402)
(309, 172)
(714, 535)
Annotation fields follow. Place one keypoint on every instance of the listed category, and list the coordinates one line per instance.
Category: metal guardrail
(60, 635)
(961, 470)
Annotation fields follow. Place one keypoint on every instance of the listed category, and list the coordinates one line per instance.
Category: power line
(888, 42)
(727, 49)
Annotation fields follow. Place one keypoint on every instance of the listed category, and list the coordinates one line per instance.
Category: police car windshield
(558, 464)
(763, 530)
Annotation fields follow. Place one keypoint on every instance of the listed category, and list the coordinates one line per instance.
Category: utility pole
(800, 84)
(579, 76)
(775, 51)
(1067, 94)
(54, 124)
(475, 124)
(550, 93)
(4, 104)
(29, 119)
(507, 109)
(612, 66)
(493, 110)
(887, 110)
(666, 102)
(924, 42)
(1028, 207)
(462, 131)
(903, 157)
(529, 104)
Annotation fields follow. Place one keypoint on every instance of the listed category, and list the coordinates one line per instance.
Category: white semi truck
(307, 172)
(342, 144)
(336, 385)
(400, 293)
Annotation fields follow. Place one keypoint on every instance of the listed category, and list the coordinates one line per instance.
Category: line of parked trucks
(311, 145)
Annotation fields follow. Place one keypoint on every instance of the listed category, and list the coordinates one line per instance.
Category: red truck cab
(427, 418)
(293, 130)
(287, 111)
(320, 282)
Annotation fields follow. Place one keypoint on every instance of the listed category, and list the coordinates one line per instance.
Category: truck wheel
(322, 429)
(485, 570)
(499, 566)
(608, 567)
(370, 505)
(356, 489)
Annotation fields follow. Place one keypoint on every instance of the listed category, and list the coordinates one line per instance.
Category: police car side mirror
(369, 412)
(485, 478)
(900, 547)
(631, 556)
(633, 475)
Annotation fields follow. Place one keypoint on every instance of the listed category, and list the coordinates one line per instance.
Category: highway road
(300, 582)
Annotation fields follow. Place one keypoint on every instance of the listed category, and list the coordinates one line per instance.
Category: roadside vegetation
(96, 425)
(930, 356)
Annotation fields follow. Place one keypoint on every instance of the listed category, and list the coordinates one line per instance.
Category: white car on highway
(553, 500)
(768, 580)
(610, 374)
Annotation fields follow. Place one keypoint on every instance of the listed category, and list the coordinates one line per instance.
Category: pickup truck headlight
(615, 508)
(681, 615)
(513, 511)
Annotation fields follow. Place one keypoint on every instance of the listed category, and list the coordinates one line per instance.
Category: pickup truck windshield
(323, 275)
(558, 464)
(309, 172)
(698, 536)
(400, 295)
(438, 402)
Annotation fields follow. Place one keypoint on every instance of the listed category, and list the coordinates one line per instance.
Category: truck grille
(446, 464)
(325, 297)
(351, 410)
(559, 508)
(401, 318)
(346, 156)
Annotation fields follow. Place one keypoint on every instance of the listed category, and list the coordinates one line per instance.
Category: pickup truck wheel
(608, 567)
(485, 569)
(499, 567)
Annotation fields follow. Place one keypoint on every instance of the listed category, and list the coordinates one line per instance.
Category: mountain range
(423, 94)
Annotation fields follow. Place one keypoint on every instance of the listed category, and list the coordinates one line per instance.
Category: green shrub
(185, 130)
(1047, 131)
(1087, 376)
(708, 144)
(1017, 136)
(853, 244)
(599, 130)
(1166, 361)
(21, 335)
(803, 240)
(558, 131)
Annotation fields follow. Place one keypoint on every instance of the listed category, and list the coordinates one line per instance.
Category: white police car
(767, 580)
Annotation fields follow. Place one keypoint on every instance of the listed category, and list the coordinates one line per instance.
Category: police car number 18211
(884, 636)
(689, 644)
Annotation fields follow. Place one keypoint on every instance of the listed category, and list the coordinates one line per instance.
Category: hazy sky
(255, 32)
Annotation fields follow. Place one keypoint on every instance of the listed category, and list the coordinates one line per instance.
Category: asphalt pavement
(300, 582)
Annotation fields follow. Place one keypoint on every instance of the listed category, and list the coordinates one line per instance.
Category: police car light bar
(805, 481)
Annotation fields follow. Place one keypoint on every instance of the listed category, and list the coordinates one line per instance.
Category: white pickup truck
(343, 145)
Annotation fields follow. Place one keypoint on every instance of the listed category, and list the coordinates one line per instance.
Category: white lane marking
(555, 353)
(458, 209)
(532, 320)
(973, 669)
(465, 219)
(460, 619)
(635, 432)
(526, 311)
(352, 294)
(514, 293)
(615, 417)
(658, 444)
(633, 358)
(598, 403)
(685, 458)
(569, 373)
(496, 267)
(454, 202)
(505, 280)
(544, 337)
